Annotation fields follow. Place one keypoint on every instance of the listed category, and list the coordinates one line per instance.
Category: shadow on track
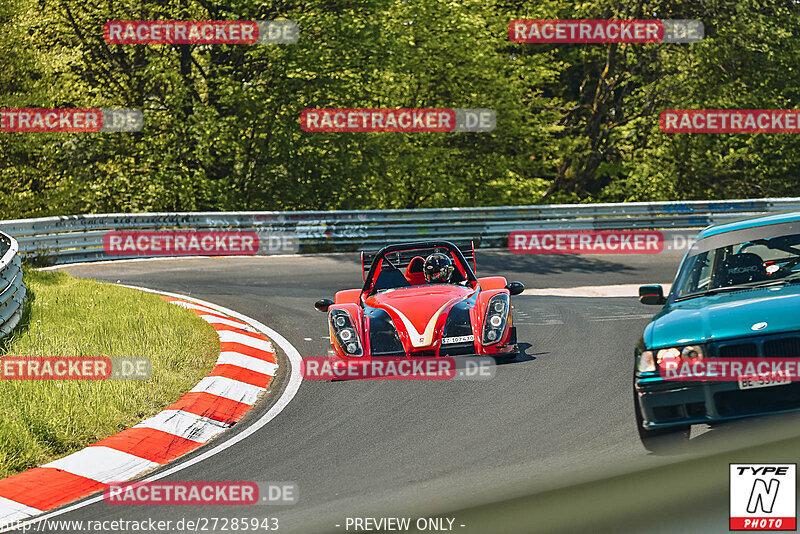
(506, 262)
(522, 356)
(729, 435)
(490, 261)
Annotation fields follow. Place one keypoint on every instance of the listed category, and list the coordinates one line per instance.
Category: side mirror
(323, 305)
(515, 288)
(652, 294)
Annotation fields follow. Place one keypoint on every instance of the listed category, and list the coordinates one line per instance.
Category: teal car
(736, 295)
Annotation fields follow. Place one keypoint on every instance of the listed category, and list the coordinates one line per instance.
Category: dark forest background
(575, 123)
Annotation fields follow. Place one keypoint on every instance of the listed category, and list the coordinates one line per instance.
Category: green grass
(66, 316)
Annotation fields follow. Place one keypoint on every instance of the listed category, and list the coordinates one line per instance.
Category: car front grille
(740, 350)
(788, 347)
(774, 346)
(457, 349)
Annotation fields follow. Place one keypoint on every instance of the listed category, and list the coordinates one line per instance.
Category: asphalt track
(559, 415)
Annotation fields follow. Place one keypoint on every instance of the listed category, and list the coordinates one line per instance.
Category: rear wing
(402, 258)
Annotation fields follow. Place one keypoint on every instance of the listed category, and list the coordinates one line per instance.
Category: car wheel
(506, 356)
(659, 439)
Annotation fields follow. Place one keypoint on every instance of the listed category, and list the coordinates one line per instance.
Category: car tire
(508, 356)
(659, 439)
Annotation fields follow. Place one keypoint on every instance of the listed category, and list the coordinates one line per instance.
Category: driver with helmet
(438, 268)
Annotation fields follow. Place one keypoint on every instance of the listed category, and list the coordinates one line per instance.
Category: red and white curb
(243, 371)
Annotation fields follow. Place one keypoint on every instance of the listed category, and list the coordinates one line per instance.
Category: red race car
(422, 299)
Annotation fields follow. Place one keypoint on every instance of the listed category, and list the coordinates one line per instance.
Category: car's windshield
(737, 265)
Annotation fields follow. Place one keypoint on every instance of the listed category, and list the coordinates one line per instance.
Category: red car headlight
(497, 311)
(345, 334)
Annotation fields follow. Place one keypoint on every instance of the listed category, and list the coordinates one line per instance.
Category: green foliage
(574, 122)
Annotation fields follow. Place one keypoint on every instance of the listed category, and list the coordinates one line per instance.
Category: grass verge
(67, 316)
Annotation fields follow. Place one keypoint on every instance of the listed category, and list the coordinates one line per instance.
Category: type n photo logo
(762, 497)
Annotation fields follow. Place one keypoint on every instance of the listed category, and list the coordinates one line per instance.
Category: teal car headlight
(646, 363)
(669, 357)
(693, 351)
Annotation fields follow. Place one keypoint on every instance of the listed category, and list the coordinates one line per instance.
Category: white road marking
(226, 336)
(621, 290)
(183, 424)
(228, 388)
(229, 322)
(103, 464)
(292, 386)
(11, 511)
(248, 362)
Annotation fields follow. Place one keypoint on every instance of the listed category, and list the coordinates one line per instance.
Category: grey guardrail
(78, 238)
(12, 288)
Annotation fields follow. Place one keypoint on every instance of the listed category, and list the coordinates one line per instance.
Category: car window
(735, 264)
(768, 254)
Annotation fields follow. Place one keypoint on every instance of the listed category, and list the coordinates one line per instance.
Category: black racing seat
(390, 279)
(741, 268)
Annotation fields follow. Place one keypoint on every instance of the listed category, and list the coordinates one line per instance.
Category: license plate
(458, 339)
(766, 382)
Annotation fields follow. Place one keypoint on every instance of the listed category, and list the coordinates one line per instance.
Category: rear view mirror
(652, 294)
(515, 288)
(323, 305)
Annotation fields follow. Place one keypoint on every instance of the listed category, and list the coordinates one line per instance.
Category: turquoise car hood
(725, 316)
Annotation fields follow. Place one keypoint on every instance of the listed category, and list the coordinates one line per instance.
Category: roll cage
(384, 265)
